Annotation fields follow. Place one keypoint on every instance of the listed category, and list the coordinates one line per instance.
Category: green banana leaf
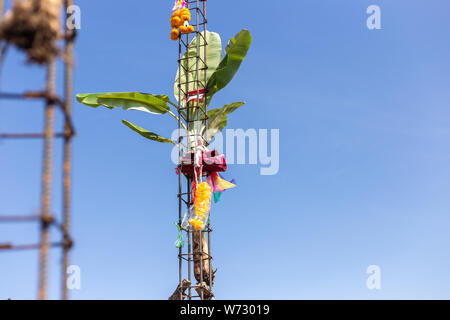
(218, 118)
(89, 99)
(213, 57)
(147, 134)
(127, 101)
(236, 51)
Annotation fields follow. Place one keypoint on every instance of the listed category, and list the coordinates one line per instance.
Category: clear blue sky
(364, 176)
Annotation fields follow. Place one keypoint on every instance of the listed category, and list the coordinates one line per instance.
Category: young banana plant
(220, 71)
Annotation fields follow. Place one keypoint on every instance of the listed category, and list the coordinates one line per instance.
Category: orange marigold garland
(202, 206)
(179, 21)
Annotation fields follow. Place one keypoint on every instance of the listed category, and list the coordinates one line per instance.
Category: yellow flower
(174, 34)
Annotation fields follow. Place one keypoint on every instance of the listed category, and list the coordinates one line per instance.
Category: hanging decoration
(195, 166)
(218, 185)
(202, 206)
(180, 241)
(180, 19)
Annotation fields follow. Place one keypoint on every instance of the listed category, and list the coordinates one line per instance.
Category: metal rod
(3, 50)
(206, 132)
(49, 97)
(31, 95)
(194, 113)
(209, 260)
(188, 110)
(186, 105)
(46, 183)
(3, 45)
(196, 85)
(180, 251)
(68, 76)
(45, 216)
(28, 135)
(190, 261)
(22, 247)
(8, 219)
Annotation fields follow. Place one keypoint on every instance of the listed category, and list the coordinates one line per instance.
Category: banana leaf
(127, 101)
(236, 51)
(147, 134)
(213, 57)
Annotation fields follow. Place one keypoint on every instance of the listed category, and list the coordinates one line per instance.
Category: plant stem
(173, 115)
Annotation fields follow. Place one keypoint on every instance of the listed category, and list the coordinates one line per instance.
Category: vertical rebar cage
(195, 258)
(46, 218)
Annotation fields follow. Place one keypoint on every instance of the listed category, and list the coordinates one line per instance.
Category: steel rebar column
(68, 76)
(46, 216)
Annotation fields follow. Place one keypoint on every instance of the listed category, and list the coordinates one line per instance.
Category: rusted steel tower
(52, 101)
(195, 258)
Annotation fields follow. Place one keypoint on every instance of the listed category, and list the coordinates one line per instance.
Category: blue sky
(364, 173)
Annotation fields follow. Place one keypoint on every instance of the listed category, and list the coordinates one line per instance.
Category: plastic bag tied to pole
(202, 206)
(180, 241)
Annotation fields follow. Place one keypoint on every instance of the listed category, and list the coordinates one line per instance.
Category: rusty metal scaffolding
(196, 258)
(46, 218)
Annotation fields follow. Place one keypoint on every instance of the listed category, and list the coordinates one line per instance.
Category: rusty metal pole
(197, 119)
(198, 241)
(68, 75)
(46, 216)
(205, 77)
(1, 44)
(180, 186)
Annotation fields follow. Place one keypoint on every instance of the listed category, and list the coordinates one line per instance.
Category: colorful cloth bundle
(197, 216)
(218, 185)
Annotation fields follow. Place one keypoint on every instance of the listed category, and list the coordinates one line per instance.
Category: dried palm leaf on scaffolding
(33, 26)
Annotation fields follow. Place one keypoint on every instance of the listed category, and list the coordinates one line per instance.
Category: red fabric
(212, 162)
(193, 96)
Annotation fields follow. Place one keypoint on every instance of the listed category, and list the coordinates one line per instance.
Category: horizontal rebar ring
(9, 246)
